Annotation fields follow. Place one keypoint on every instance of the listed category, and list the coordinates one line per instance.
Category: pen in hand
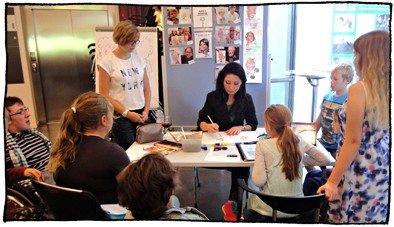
(215, 127)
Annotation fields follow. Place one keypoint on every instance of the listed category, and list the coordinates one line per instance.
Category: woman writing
(232, 110)
(82, 158)
(124, 82)
(358, 187)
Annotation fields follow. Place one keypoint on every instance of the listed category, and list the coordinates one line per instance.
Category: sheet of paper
(229, 155)
(222, 137)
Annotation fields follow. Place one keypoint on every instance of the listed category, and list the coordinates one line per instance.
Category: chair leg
(196, 176)
(196, 185)
(317, 214)
(274, 215)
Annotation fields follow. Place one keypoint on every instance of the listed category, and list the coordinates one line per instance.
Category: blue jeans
(123, 132)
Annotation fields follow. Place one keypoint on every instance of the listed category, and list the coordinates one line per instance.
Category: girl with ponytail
(81, 157)
(280, 160)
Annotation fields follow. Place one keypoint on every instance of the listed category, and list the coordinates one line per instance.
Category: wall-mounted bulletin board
(146, 49)
(198, 42)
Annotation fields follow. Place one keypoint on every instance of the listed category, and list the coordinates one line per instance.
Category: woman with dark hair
(81, 157)
(232, 110)
(229, 106)
(146, 189)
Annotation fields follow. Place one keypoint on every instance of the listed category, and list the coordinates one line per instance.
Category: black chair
(289, 204)
(70, 204)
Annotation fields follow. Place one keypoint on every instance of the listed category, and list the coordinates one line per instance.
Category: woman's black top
(215, 106)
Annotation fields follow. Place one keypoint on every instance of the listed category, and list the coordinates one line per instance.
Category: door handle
(34, 66)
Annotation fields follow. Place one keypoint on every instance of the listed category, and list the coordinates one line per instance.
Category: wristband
(124, 114)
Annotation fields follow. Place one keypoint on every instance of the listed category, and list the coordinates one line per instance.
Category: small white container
(192, 143)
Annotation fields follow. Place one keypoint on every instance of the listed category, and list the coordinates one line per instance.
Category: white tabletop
(198, 159)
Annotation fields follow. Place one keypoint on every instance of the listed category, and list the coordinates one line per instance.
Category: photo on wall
(232, 54)
(203, 44)
(185, 15)
(220, 55)
(227, 15)
(175, 55)
(253, 17)
(233, 15)
(180, 36)
(233, 34)
(172, 15)
(220, 35)
(187, 57)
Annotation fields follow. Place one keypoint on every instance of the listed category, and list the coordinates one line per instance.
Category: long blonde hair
(279, 118)
(84, 114)
(374, 70)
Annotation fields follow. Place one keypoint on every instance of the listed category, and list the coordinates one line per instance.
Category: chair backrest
(288, 204)
(70, 204)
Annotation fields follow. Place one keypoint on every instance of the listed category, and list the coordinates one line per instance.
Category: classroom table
(198, 159)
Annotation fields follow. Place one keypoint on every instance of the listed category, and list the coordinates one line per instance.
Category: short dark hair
(12, 100)
(236, 69)
(146, 186)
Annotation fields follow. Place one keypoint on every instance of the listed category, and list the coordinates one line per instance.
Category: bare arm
(317, 123)
(147, 95)
(353, 132)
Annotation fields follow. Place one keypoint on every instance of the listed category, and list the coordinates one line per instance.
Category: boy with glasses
(27, 150)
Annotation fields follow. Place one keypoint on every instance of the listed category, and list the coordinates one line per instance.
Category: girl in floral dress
(358, 187)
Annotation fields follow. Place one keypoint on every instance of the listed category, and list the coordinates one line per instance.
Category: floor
(212, 193)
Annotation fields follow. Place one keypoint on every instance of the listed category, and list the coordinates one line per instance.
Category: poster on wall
(252, 43)
(351, 21)
(227, 15)
(202, 17)
(203, 44)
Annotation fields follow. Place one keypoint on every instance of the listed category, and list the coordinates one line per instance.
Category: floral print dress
(364, 189)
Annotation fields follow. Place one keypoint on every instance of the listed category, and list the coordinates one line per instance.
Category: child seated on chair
(146, 189)
(280, 159)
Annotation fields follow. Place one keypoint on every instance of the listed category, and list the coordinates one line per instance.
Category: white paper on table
(222, 155)
(222, 137)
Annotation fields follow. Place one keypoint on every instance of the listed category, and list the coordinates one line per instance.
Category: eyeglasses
(135, 42)
(20, 112)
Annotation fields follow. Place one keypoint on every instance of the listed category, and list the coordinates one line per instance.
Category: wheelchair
(24, 203)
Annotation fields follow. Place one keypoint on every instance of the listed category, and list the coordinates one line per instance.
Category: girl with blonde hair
(358, 187)
(278, 167)
(81, 157)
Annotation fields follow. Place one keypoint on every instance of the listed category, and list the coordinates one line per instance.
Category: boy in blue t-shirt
(340, 77)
